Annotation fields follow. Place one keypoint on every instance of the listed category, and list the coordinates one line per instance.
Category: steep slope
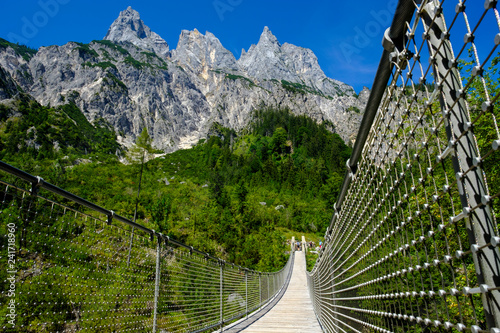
(8, 87)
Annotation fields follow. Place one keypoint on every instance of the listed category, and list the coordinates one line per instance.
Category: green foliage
(239, 77)
(4, 112)
(106, 55)
(142, 150)
(294, 87)
(279, 139)
(101, 134)
(151, 56)
(289, 155)
(113, 80)
(299, 88)
(85, 51)
(144, 140)
(311, 260)
(484, 116)
(418, 87)
(134, 63)
(354, 108)
(308, 139)
(24, 51)
(113, 46)
(41, 132)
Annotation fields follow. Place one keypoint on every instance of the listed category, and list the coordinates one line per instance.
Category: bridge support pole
(268, 290)
(246, 293)
(221, 296)
(260, 291)
(157, 285)
(480, 224)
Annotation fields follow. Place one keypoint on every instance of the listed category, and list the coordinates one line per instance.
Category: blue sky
(345, 35)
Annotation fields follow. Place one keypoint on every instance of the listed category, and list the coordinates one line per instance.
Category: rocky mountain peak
(129, 27)
(267, 38)
(263, 61)
(200, 52)
(270, 60)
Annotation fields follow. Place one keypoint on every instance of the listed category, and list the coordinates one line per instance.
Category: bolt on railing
(413, 243)
(73, 269)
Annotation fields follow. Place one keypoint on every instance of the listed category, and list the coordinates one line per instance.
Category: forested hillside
(233, 195)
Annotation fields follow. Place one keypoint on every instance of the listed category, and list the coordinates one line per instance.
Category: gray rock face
(179, 94)
(264, 61)
(201, 53)
(270, 60)
(16, 66)
(129, 27)
(7, 86)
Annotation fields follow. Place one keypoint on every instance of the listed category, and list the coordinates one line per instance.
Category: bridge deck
(294, 312)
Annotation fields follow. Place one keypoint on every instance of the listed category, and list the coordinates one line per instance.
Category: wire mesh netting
(69, 268)
(414, 245)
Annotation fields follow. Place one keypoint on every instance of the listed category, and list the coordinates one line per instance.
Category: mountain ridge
(134, 80)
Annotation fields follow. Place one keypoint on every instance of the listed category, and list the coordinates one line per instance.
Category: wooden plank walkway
(294, 312)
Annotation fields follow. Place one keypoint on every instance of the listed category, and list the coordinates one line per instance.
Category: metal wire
(71, 271)
(413, 244)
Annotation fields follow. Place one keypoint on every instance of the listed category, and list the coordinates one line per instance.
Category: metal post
(472, 188)
(157, 286)
(221, 296)
(246, 292)
(260, 291)
(268, 293)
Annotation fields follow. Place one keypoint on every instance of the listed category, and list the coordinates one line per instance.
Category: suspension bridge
(412, 245)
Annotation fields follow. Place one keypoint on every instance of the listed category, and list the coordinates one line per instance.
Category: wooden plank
(294, 312)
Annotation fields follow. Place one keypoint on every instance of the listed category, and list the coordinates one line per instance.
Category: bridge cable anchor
(110, 217)
(35, 186)
(387, 42)
(352, 169)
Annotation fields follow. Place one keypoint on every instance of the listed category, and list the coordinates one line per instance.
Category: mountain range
(132, 79)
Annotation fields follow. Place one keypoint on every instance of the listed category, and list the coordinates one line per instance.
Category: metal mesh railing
(69, 265)
(413, 244)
